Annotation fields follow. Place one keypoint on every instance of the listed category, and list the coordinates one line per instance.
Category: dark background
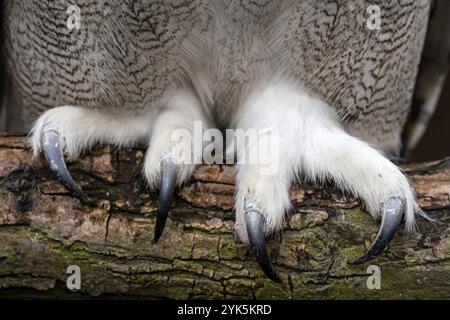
(435, 144)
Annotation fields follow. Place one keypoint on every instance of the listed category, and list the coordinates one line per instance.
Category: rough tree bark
(43, 230)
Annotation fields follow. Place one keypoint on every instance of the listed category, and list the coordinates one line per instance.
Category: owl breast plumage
(127, 55)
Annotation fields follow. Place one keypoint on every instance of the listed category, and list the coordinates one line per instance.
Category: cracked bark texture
(43, 230)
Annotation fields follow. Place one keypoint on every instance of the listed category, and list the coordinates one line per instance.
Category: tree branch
(43, 230)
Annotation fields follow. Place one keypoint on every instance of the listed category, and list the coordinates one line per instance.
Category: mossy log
(43, 230)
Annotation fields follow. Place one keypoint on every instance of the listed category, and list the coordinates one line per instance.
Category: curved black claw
(50, 144)
(254, 222)
(166, 189)
(392, 216)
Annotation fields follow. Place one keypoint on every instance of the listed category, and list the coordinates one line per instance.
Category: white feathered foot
(310, 143)
(297, 135)
(170, 160)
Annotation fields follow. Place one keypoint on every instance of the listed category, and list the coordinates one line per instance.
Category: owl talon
(52, 151)
(254, 223)
(166, 190)
(392, 216)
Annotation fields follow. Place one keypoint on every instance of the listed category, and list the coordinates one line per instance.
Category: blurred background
(435, 143)
(430, 111)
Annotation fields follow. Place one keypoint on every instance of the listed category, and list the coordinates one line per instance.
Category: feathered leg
(310, 143)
